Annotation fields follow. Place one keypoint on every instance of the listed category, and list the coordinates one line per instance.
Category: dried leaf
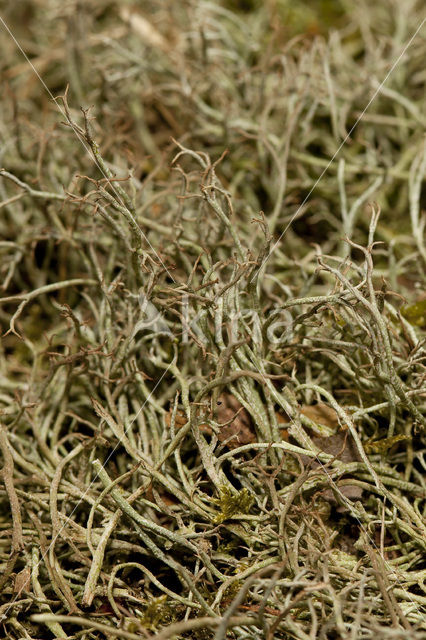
(165, 497)
(341, 445)
(181, 420)
(143, 28)
(237, 429)
(22, 583)
(282, 420)
(321, 414)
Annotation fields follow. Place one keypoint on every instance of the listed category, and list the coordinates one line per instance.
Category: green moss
(415, 313)
(158, 612)
(231, 504)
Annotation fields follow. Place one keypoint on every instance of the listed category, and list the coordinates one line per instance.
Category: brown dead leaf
(167, 498)
(282, 420)
(342, 446)
(320, 413)
(22, 583)
(238, 429)
(180, 419)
